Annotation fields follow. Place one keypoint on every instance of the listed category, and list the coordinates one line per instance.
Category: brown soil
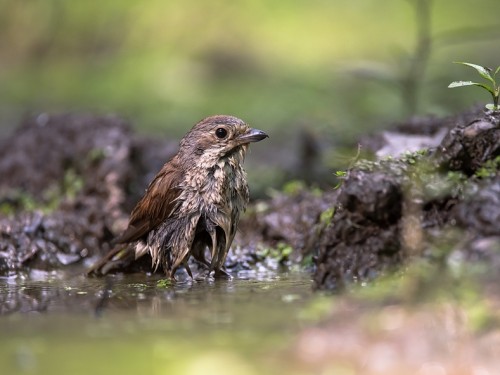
(69, 181)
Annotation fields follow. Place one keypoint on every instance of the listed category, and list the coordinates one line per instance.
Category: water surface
(131, 324)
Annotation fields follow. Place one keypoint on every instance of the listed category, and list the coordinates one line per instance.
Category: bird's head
(218, 137)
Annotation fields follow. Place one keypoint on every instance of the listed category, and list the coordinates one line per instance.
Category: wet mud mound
(283, 230)
(66, 185)
(393, 209)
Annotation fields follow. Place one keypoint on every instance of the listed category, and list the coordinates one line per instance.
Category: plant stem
(420, 58)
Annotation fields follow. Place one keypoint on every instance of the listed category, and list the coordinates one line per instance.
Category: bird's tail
(116, 257)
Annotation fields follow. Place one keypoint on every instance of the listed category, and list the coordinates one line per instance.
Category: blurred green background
(338, 68)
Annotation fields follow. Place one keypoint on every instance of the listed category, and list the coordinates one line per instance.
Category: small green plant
(341, 176)
(489, 75)
(164, 283)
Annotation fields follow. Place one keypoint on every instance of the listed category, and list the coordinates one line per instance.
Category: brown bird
(195, 200)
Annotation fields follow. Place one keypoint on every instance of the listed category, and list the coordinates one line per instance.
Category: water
(257, 323)
(60, 324)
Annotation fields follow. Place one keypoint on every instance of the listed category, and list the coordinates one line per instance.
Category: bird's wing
(156, 205)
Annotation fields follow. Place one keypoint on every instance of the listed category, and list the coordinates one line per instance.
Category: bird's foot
(222, 274)
(206, 275)
(203, 275)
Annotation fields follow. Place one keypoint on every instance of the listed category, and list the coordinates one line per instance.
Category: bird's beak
(252, 135)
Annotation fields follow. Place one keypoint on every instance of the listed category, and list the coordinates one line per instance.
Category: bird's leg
(198, 252)
(186, 266)
(204, 272)
(220, 272)
(203, 261)
(203, 275)
(170, 275)
(214, 252)
(181, 258)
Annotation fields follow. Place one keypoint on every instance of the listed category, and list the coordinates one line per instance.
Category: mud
(295, 218)
(394, 209)
(68, 183)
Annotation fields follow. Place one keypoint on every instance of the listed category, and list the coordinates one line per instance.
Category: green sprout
(341, 175)
(489, 75)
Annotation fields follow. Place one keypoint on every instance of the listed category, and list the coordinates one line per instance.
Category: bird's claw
(222, 274)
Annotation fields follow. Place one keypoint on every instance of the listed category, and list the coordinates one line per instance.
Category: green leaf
(483, 71)
(492, 107)
(497, 70)
(470, 83)
(460, 84)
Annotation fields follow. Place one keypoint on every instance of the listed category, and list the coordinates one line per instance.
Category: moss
(326, 216)
(280, 253)
(436, 185)
(489, 169)
(18, 200)
(164, 283)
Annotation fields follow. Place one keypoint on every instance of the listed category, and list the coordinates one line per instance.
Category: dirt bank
(68, 183)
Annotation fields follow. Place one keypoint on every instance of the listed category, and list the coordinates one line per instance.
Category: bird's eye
(221, 133)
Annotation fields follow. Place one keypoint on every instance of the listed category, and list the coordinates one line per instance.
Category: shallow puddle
(134, 324)
(267, 323)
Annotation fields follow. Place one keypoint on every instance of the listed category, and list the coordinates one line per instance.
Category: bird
(194, 202)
